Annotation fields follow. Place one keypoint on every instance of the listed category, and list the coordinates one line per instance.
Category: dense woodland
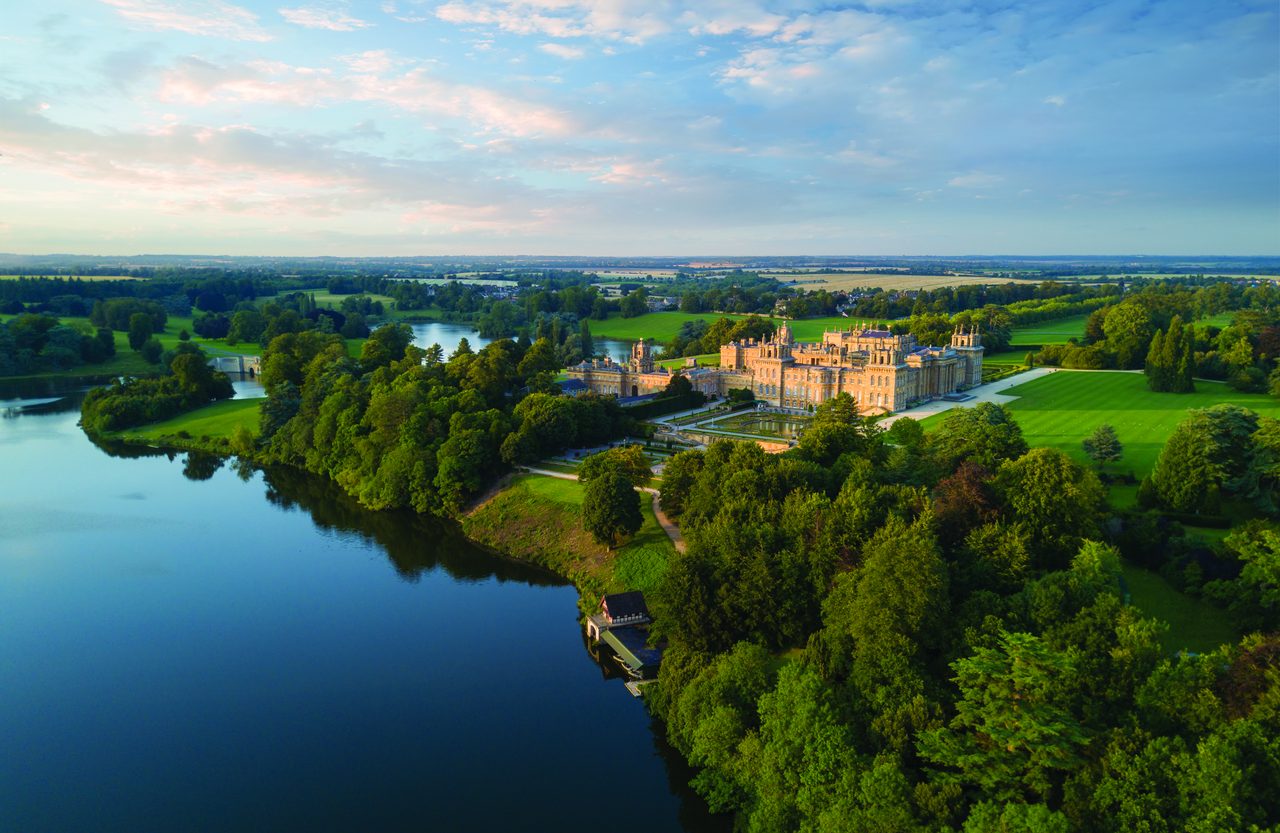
(882, 631)
(406, 427)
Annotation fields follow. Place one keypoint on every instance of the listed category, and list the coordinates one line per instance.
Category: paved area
(982, 393)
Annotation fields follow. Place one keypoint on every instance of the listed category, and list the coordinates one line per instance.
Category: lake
(448, 334)
(189, 644)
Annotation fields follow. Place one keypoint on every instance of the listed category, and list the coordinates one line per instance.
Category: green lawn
(216, 422)
(1061, 409)
(704, 359)
(539, 518)
(663, 326)
(1048, 332)
(1194, 624)
(659, 326)
(1222, 319)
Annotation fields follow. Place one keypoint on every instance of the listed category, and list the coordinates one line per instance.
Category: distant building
(882, 371)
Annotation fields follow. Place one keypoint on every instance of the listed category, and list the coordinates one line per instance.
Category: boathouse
(623, 625)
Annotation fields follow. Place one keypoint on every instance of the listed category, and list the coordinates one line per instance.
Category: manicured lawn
(660, 326)
(1048, 332)
(663, 326)
(217, 422)
(1061, 409)
(704, 360)
(1194, 624)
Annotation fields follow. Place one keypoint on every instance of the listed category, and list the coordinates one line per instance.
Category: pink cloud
(210, 18)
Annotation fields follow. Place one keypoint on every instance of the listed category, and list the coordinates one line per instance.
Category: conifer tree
(1157, 376)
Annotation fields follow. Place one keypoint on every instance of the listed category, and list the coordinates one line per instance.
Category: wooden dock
(634, 686)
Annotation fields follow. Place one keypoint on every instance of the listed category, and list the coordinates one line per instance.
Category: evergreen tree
(1156, 369)
(1103, 446)
(1183, 371)
(1013, 736)
(585, 342)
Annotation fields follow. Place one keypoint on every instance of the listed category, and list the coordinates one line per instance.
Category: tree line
(882, 630)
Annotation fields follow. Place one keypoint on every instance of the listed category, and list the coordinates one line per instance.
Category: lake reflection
(192, 644)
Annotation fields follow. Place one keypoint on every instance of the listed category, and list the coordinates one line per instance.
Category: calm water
(447, 335)
(185, 646)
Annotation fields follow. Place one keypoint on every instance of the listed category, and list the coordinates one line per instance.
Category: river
(192, 645)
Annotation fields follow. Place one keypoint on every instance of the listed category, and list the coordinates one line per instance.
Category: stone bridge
(237, 364)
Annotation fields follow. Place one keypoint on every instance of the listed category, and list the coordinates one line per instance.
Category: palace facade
(882, 371)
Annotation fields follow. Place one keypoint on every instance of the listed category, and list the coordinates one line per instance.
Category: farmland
(845, 281)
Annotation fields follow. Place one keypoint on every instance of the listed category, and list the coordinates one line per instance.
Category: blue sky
(639, 127)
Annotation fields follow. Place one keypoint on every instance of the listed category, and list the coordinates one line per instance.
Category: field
(538, 518)
(1194, 624)
(1061, 409)
(77, 277)
(855, 280)
(663, 326)
(216, 422)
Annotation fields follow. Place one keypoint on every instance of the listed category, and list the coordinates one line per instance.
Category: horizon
(418, 128)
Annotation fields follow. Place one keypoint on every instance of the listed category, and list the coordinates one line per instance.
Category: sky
(639, 127)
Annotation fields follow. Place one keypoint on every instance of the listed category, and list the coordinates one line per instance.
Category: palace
(882, 371)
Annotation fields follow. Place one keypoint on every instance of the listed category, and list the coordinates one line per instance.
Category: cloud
(210, 18)
(371, 77)
(559, 50)
(239, 169)
(316, 17)
(975, 179)
(1055, 100)
(633, 21)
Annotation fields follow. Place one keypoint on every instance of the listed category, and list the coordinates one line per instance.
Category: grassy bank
(206, 429)
(538, 519)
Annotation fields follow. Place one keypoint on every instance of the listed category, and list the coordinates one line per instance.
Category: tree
(152, 350)
(611, 508)
(1156, 368)
(986, 434)
(386, 345)
(1013, 736)
(1209, 453)
(627, 460)
(585, 343)
(1057, 499)
(140, 329)
(1103, 446)
(183, 335)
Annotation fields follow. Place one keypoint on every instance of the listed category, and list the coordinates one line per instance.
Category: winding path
(668, 526)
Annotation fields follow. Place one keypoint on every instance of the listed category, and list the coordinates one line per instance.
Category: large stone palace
(882, 371)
